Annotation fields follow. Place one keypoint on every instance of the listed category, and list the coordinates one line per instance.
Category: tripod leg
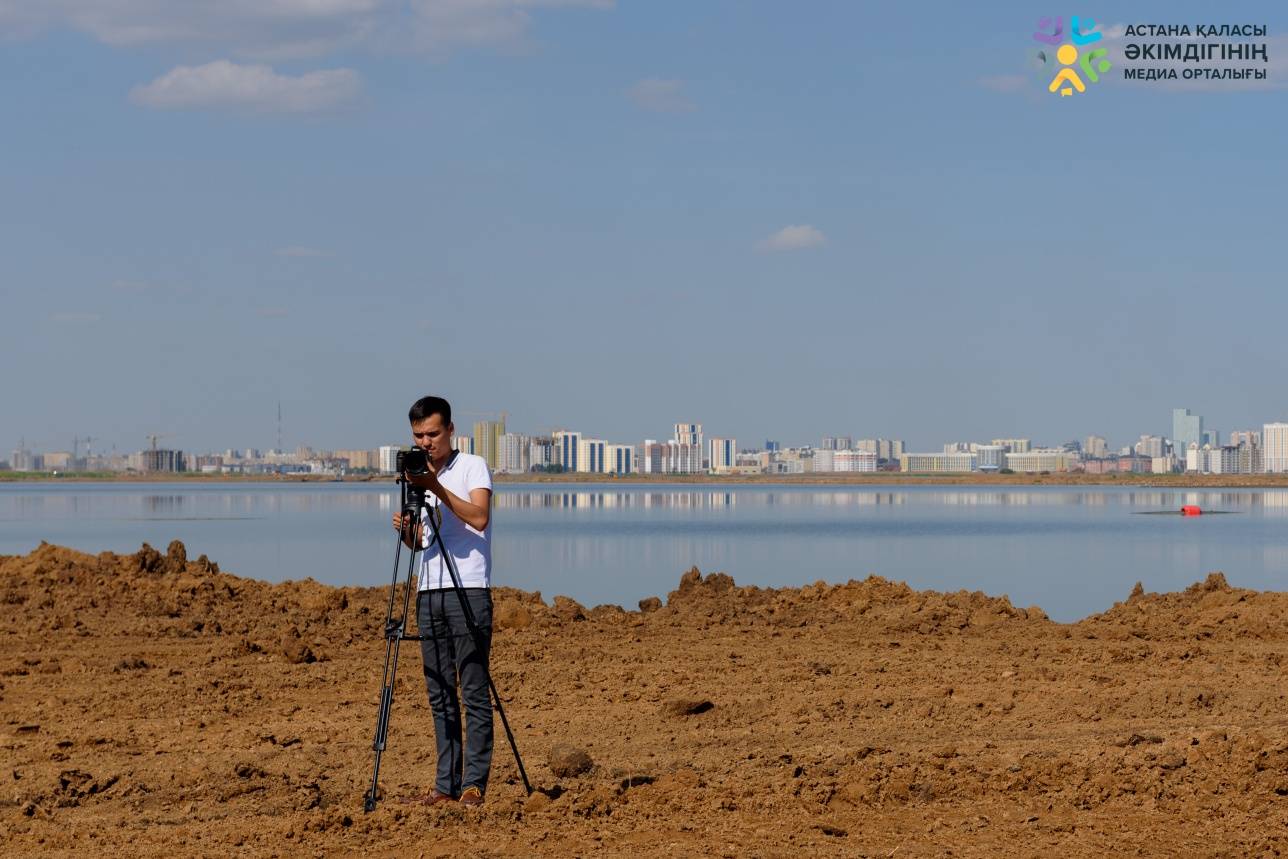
(382, 720)
(394, 632)
(509, 735)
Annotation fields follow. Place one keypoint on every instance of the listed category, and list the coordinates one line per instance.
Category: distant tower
(1187, 429)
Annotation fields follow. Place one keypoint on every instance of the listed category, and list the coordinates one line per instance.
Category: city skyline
(1190, 447)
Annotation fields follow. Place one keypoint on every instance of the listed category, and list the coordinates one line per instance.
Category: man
(458, 496)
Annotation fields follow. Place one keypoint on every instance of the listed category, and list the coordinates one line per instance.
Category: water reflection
(512, 498)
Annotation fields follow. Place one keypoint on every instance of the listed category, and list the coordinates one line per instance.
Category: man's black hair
(428, 407)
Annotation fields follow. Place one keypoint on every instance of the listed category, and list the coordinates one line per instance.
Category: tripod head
(413, 497)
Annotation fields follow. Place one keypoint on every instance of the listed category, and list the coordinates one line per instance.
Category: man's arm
(476, 512)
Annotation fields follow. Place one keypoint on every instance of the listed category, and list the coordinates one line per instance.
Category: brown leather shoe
(472, 796)
(431, 798)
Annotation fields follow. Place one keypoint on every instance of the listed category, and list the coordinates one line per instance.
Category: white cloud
(301, 251)
(794, 237)
(662, 96)
(255, 88)
(276, 29)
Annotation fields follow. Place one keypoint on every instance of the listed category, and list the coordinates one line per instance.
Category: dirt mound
(875, 602)
(152, 702)
(1210, 609)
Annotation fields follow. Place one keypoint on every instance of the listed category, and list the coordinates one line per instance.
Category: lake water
(1071, 550)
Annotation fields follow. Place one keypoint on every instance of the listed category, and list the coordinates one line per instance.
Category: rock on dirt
(686, 706)
(567, 761)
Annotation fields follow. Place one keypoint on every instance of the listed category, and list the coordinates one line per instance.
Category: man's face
(432, 437)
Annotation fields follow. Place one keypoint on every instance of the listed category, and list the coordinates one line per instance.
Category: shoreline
(891, 478)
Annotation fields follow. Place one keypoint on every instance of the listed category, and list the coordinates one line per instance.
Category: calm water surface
(1071, 550)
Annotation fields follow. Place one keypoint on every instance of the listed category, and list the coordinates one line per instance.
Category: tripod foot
(368, 803)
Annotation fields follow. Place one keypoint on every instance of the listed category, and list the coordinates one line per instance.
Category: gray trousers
(452, 654)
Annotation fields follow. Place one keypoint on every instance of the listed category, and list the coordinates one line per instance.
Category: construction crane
(152, 440)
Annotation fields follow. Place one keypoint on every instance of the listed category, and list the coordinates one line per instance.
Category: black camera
(412, 461)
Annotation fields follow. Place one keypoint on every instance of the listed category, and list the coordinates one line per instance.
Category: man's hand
(402, 524)
(427, 481)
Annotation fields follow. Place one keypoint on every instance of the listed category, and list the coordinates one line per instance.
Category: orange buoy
(1191, 510)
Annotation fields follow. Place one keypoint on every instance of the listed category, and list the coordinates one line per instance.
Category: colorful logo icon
(1071, 55)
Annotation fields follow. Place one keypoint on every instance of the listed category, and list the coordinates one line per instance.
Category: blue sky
(783, 220)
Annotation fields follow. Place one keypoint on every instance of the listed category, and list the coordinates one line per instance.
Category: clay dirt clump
(152, 703)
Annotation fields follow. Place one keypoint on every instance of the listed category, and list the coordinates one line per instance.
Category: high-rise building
(464, 443)
(854, 461)
(567, 444)
(590, 455)
(487, 440)
(724, 452)
(388, 454)
(1245, 437)
(163, 460)
(1187, 429)
(541, 453)
(1151, 446)
(650, 457)
(681, 458)
(772, 446)
(688, 434)
(1095, 446)
(1224, 459)
(1014, 445)
(1274, 447)
(1248, 444)
(990, 457)
(686, 449)
(513, 453)
(619, 458)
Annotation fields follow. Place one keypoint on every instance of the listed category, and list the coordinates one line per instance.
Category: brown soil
(152, 705)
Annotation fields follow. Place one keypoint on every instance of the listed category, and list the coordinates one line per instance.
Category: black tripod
(413, 500)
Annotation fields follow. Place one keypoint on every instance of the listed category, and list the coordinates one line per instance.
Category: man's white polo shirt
(471, 550)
